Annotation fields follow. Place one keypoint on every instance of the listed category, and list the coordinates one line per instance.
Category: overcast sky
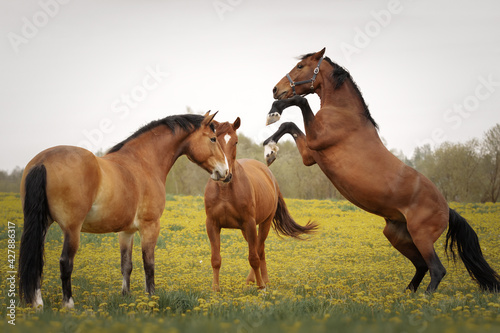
(90, 73)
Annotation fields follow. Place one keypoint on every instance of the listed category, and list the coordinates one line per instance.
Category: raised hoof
(270, 152)
(272, 118)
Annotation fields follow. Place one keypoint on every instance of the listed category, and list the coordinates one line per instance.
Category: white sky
(421, 70)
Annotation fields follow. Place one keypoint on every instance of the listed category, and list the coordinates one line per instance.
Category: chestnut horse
(342, 139)
(123, 191)
(250, 196)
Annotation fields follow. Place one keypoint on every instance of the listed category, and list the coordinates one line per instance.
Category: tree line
(463, 172)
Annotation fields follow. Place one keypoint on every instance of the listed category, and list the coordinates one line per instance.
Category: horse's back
(259, 174)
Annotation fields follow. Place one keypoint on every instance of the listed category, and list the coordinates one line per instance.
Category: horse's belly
(98, 220)
(377, 189)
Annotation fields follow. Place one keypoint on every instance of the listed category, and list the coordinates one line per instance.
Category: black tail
(461, 235)
(284, 224)
(31, 252)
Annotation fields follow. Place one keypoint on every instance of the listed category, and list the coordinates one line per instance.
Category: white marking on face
(227, 137)
(221, 169)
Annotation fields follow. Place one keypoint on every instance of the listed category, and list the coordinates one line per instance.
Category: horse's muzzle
(221, 172)
(279, 95)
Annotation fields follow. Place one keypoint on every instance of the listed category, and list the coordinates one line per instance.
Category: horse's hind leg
(250, 230)
(399, 237)
(126, 243)
(251, 274)
(70, 247)
(424, 234)
(263, 233)
(149, 236)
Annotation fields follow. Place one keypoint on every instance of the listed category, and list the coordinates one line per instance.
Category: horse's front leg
(149, 236)
(213, 233)
(271, 148)
(278, 106)
(317, 134)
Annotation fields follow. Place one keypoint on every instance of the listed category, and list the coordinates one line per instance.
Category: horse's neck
(239, 178)
(156, 150)
(343, 97)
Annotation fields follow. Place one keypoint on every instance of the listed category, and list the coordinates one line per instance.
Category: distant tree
(11, 182)
(423, 159)
(453, 168)
(491, 160)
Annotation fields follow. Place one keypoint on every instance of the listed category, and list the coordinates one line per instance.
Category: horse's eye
(213, 139)
(299, 66)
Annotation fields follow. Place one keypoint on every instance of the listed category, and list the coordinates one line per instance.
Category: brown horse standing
(342, 139)
(249, 197)
(124, 192)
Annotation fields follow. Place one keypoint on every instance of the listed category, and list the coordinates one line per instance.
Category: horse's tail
(284, 224)
(461, 235)
(31, 252)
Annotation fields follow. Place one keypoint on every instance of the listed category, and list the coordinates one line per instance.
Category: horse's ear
(208, 118)
(236, 124)
(320, 54)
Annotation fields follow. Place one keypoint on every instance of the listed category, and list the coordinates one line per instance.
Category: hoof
(38, 302)
(70, 304)
(270, 152)
(272, 118)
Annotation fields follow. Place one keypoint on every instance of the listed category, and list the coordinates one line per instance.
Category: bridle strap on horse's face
(315, 73)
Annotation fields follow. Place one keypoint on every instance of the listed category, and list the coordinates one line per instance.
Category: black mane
(338, 77)
(186, 122)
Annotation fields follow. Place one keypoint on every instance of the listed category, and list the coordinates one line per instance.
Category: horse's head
(226, 136)
(204, 150)
(302, 79)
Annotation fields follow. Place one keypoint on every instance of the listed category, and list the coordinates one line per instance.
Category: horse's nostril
(274, 90)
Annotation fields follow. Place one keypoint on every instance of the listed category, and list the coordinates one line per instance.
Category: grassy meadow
(345, 278)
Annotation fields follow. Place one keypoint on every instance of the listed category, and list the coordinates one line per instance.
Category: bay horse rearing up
(123, 191)
(250, 196)
(342, 139)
